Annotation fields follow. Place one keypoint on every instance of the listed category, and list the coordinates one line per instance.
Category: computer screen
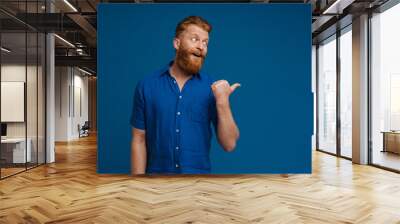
(3, 129)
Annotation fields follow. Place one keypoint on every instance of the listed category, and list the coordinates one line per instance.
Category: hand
(222, 90)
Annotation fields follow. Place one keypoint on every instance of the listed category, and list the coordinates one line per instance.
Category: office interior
(48, 83)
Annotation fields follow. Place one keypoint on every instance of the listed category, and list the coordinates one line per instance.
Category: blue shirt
(177, 123)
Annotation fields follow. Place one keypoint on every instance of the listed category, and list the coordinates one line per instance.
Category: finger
(215, 82)
(234, 86)
(219, 82)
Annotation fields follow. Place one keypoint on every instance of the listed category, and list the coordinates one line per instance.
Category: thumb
(234, 86)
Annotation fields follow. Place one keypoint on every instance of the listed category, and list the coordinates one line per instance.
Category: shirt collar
(165, 70)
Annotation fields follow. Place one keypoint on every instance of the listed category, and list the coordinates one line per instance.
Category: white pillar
(50, 91)
(360, 90)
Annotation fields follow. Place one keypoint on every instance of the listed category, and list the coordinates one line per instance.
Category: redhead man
(174, 108)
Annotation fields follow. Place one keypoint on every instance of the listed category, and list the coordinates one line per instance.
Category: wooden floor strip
(70, 191)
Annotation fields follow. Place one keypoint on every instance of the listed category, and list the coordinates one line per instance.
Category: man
(174, 107)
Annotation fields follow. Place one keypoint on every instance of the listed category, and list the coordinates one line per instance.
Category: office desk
(13, 150)
(391, 141)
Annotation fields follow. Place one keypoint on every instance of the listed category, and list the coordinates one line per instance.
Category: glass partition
(22, 77)
(14, 153)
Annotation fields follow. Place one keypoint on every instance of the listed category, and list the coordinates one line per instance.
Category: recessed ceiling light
(84, 71)
(70, 5)
(337, 7)
(65, 41)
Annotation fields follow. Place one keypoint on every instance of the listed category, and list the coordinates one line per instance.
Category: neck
(177, 72)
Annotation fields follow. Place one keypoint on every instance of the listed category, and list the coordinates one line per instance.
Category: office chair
(84, 130)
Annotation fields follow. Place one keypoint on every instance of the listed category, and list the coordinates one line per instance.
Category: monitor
(3, 129)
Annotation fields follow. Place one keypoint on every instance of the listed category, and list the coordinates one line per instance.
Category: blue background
(265, 47)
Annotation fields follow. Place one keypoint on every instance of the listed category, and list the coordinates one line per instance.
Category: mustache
(197, 53)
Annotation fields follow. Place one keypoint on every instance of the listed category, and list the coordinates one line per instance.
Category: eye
(194, 39)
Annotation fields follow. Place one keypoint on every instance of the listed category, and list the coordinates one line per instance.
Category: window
(385, 88)
(346, 92)
(327, 95)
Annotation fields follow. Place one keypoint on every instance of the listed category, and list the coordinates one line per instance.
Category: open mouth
(198, 55)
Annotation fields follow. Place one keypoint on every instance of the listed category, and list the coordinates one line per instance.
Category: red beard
(188, 62)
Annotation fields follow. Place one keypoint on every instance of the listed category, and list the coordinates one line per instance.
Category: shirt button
(177, 130)
(176, 165)
(174, 81)
(177, 147)
(179, 113)
(180, 97)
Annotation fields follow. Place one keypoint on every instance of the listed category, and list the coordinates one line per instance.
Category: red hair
(192, 20)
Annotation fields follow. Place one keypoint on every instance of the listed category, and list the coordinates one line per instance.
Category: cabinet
(391, 141)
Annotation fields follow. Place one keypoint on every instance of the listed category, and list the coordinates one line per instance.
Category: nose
(200, 46)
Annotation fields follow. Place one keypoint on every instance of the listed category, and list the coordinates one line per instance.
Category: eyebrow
(195, 34)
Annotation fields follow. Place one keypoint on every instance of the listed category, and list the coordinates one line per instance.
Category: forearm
(138, 157)
(227, 130)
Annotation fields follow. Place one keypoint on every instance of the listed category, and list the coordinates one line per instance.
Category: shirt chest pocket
(199, 112)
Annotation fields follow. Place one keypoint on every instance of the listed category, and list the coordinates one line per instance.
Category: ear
(177, 43)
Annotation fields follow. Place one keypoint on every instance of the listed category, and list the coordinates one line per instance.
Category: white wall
(70, 84)
(61, 103)
(79, 117)
(16, 72)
